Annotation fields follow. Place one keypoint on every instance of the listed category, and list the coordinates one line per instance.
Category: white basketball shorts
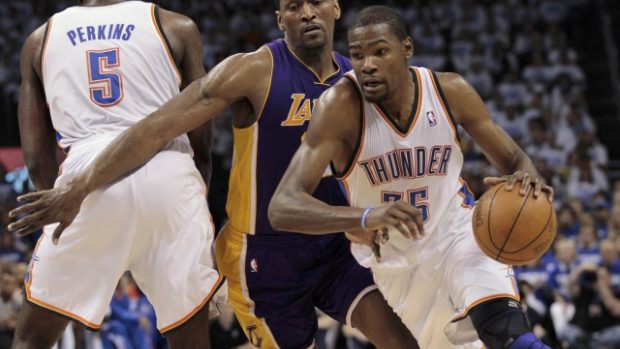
(154, 222)
(434, 296)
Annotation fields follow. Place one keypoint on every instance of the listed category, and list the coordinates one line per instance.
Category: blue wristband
(365, 217)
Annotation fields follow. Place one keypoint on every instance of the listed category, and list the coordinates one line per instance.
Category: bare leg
(378, 322)
(38, 328)
(192, 334)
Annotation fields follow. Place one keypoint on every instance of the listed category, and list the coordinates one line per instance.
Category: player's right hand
(58, 205)
(372, 238)
(402, 216)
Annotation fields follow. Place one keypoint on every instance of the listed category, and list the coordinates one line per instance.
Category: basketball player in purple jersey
(101, 67)
(275, 278)
(389, 131)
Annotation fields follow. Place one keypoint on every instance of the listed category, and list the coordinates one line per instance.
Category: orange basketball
(513, 228)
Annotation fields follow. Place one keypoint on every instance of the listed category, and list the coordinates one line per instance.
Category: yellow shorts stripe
(230, 254)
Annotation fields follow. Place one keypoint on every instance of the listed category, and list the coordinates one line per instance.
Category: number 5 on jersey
(417, 197)
(106, 85)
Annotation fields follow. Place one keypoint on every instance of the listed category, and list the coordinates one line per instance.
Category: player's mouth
(371, 84)
(311, 29)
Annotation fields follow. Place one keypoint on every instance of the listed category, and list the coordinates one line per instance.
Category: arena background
(547, 69)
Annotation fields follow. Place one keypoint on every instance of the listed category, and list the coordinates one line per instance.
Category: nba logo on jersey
(254, 265)
(432, 120)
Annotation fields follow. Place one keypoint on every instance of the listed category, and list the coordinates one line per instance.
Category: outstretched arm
(503, 153)
(200, 102)
(35, 125)
(331, 137)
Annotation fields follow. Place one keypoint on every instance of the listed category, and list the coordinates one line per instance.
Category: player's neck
(400, 103)
(321, 61)
(100, 2)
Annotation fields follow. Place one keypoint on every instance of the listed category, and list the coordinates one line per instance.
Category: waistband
(279, 240)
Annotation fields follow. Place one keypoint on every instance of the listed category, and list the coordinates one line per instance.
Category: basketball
(513, 228)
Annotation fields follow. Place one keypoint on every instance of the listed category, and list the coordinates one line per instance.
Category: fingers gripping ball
(513, 228)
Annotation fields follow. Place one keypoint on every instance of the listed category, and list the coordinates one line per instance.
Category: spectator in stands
(537, 72)
(8, 251)
(585, 179)
(613, 227)
(10, 303)
(596, 317)
(125, 326)
(587, 244)
(610, 261)
(568, 224)
(513, 90)
(559, 269)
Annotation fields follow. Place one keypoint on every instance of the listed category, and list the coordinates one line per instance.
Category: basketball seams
(514, 223)
(481, 243)
(537, 236)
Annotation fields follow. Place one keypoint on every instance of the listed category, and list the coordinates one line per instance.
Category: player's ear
(408, 46)
(279, 21)
(337, 6)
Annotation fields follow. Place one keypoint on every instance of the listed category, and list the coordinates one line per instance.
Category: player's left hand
(58, 205)
(527, 180)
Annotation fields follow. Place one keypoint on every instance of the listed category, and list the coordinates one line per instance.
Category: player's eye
(381, 51)
(357, 56)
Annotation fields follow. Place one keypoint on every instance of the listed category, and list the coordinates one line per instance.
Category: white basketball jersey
(420, 164)
(105, 68)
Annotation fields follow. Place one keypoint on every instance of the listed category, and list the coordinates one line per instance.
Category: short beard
(375, 98)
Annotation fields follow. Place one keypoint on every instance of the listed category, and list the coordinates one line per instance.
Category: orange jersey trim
(193, 312)
(445, 109)
(48, 306)
(163, 41)
(48, 31)
(482, 300)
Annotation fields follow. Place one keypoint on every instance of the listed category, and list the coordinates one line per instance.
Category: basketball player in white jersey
(88, 74)
(389, 131)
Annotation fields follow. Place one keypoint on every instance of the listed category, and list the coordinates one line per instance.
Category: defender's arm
(200, 102)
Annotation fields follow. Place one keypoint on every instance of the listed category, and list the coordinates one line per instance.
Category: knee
(502, 324)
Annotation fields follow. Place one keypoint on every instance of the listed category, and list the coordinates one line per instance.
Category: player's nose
(307, 12)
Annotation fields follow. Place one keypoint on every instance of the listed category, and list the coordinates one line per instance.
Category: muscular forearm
(300, 212)
(141, 142)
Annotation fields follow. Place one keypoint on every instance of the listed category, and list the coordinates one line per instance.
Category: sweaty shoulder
(344, 95)
(175, 22)
(459, 94)
(242, 75)
(338, 110)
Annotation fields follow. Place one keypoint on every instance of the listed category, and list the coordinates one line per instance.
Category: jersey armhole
(360, 136)
(446, 106)
(259, 114)
(162, 34)
(44, 47)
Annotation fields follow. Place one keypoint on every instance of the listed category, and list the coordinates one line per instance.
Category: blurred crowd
(521, 57)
